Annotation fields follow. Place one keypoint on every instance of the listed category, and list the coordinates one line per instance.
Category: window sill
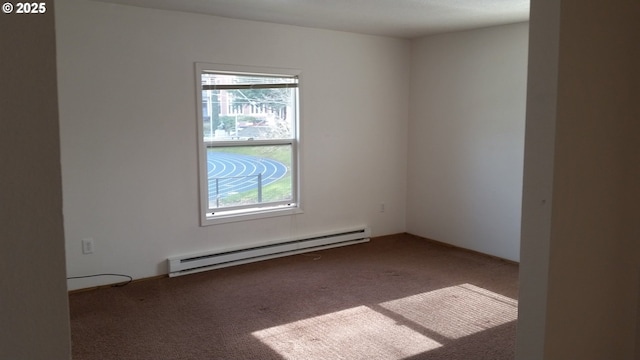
(235, 216)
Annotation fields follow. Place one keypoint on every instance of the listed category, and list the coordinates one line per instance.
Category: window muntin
(248, 143)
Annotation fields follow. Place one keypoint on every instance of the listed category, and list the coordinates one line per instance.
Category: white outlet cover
(87, 246)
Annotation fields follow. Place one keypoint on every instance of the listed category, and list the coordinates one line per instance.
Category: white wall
(128, 131)
(538, 178)
(466, 138)
(581, 255)
(34, 312)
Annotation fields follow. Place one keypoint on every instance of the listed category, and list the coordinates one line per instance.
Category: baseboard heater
(188, 264)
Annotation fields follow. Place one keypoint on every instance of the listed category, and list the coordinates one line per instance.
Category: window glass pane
(246, 176)
(247, 113)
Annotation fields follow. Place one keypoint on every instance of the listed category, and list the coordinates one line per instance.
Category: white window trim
(253, 213)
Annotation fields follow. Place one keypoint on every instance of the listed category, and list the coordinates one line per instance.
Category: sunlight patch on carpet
(456, 311)
(363, 332)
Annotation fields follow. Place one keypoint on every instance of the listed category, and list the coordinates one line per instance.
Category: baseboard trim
(91, 288)
(422, 238)
(444, 244)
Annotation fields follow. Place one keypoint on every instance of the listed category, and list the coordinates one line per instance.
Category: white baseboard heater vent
(188, 264)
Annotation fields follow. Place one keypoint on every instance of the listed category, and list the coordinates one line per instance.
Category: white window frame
(265, 211)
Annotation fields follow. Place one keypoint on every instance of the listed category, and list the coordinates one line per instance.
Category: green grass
(280, 153)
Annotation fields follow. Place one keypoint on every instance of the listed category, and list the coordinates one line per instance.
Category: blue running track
(236, 173)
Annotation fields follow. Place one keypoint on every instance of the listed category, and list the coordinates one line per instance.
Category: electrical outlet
(87, 246)
(381, 207)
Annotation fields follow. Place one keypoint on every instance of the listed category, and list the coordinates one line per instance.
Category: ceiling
(395, 18)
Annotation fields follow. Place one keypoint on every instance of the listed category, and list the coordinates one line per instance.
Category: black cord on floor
(96, 275)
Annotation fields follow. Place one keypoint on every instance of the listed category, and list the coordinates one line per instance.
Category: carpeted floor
(396, 297)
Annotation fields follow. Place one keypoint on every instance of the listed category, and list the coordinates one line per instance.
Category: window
(247, 142)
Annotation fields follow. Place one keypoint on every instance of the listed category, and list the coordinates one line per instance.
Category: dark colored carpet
(396, 297)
